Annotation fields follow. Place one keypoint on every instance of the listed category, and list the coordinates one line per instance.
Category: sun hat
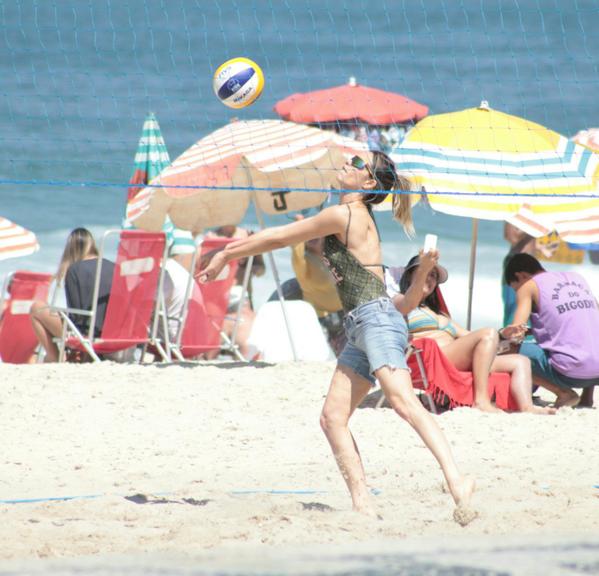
(415, 262)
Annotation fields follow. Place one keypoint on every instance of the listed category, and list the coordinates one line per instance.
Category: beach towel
(446, 382)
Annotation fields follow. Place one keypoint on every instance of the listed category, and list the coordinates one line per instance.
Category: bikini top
(355, 284)
(421, 320)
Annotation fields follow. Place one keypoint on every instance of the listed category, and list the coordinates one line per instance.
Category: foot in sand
(586, 398)
(462, 491)
(567, 398)
(487, 407)
(541, 410)
(365, 509)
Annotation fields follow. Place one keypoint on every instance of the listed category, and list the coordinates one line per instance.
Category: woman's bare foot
(366, 509)
(462, 491)
(540, 410)
(567, 398)
(487, 407)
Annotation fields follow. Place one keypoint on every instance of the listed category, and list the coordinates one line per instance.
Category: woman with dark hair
(77, 271)
(474, 351)
(376, 332)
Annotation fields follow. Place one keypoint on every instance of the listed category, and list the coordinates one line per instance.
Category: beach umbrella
(151, 157)
(588, 138)
(15, 240)
(212, 183)
(282, 166)
(493, 165)
(351, 101)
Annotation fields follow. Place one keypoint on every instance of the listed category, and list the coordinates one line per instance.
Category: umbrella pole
(275, 273)
(473, 242)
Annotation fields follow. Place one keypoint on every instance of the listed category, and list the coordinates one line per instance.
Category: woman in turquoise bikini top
(469, 351)
(353, 252)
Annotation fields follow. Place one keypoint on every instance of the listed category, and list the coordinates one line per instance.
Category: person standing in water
(376, 331)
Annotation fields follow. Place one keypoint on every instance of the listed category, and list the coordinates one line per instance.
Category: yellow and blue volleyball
(238, 82)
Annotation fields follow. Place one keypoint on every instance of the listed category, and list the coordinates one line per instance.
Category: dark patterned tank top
(355, 284)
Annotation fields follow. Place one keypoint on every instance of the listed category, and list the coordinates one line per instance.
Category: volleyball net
(459, 94)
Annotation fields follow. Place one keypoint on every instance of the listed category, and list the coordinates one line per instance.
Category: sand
(207, 445)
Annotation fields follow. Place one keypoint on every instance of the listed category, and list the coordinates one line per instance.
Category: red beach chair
(17, 338)
(131, 314)
(442, 382)
(207, 309)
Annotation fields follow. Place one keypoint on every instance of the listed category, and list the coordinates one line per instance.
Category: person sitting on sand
(564, 319)
(376, 332)
(77, 270)
(471, 351)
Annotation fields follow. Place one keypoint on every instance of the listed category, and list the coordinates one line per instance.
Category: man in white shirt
(177, 278)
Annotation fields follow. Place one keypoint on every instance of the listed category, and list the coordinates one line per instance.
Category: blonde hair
(402, 205)
(387, 179)
(80, 245)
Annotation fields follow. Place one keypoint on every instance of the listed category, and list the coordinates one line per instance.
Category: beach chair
(18, 341)
(442, 383)
(445, 385)
(206, 310)
(132, 310)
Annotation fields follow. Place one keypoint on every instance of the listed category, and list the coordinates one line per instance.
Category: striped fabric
(588, 138)
(494, 164)
(581, 230)
(263, 154)
(151, 157)
(15, 240)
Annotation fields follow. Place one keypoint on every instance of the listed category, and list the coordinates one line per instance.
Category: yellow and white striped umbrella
(492, 164)
(290, 166)
(15, 240)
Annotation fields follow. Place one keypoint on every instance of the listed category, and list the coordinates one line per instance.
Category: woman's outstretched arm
(332, 220)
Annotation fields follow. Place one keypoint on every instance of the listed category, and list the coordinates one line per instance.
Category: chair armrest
(67, 311)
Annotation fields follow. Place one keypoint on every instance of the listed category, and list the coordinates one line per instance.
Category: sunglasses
(360, 164)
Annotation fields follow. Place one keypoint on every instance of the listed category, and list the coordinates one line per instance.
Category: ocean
(79, 77)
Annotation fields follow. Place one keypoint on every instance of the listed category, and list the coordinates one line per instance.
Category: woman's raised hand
(428, 260)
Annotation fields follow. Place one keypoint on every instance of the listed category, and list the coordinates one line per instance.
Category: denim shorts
(377, 336)
(541, 366)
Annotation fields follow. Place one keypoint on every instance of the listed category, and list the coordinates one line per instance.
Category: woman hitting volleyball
(376, 332)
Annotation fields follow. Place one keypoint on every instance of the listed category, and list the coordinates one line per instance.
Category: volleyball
(238, 82)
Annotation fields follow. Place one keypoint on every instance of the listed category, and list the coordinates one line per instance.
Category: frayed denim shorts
(377, 336)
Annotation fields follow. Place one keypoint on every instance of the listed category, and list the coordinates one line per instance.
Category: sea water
(78, 79)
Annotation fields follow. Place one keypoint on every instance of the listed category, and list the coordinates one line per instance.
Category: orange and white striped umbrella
(282, 166)
(15, 240)
(588, 138)
(583, 229)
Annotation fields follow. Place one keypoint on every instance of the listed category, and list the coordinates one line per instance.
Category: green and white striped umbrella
(151, 159)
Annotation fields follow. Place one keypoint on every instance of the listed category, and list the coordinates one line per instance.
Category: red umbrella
(348, 102)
